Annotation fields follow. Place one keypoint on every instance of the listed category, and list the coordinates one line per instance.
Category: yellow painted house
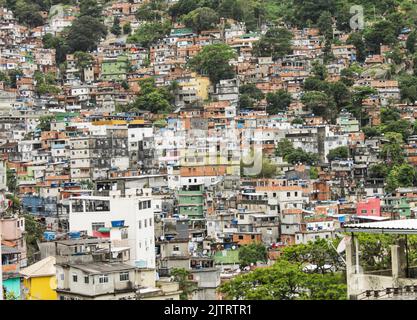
(39, 280)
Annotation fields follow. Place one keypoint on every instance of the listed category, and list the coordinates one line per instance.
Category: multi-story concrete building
(90, 213)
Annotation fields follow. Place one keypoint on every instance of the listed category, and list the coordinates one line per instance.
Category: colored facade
(191, 203)
(39, 280)
(369, 207)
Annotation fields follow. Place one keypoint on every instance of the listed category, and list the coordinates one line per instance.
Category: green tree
(382, 32)
(201, 19)
(85, 33)
(246, 102)
(359, 94)
(269, 169)
(309, 11)
(182, 7)
(320, 104)
(411, 42)
(297, 121)
(300, 156)
(127, 28)
(4, 77)
(213, 61)
(320, 254)
(340, 93)
(148, 33)
(152, 98)
(11, 181)
(27, 13)
(278, 101)
(185, 285)
(341, 153)
(319, 70)
(90, 8)
(151, 11)
(284, 281)
(116, 29)
(34, 231)
(403, 175)
(251, 90)
(284, 148)
(14, 74)
(314, 173)
(408, 88)
(325, 24)
(249, 95)
(59, 44)
(356, 39)
(276, 43)
(379, 170)
(83, 59)
(45, 123)
(392, 152)
(252, 253)
(375, 251)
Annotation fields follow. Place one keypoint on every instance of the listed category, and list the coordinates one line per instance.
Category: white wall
(141, 241)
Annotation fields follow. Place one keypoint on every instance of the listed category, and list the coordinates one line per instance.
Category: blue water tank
(74, 234)
(49, 235)
(118, 223)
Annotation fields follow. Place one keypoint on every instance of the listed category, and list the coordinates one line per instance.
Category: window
(240, 237)
(140, 224)
(86, 279)
(295, 194)
(176, 248)
(288, 194)
(364, 211)
(104, 278)
(74, 277)
(97, 225)
(145, 223)
(150, 222)
(124, 276)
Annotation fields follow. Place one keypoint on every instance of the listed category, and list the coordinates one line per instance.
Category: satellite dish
(342, 245)
(233, 247)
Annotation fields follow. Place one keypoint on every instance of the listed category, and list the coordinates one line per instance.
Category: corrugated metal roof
(407, 226)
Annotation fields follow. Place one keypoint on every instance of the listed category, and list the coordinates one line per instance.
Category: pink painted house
(369, 207)
(12, 229)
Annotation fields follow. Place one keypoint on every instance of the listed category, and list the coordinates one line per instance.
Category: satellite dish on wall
(342, 245)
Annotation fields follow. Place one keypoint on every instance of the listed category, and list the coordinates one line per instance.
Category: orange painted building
(245, 238)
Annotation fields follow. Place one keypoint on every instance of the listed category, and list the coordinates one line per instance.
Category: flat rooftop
(102, 267)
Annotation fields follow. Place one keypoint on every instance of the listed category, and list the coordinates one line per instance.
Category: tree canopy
(213, 61)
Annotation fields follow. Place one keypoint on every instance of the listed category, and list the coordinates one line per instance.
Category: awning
(406, 226)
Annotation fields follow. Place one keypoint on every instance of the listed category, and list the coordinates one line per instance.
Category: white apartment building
(90, 213)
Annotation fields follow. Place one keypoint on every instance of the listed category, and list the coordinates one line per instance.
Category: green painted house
(191, 202)
(402, 207)
(115, 69)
